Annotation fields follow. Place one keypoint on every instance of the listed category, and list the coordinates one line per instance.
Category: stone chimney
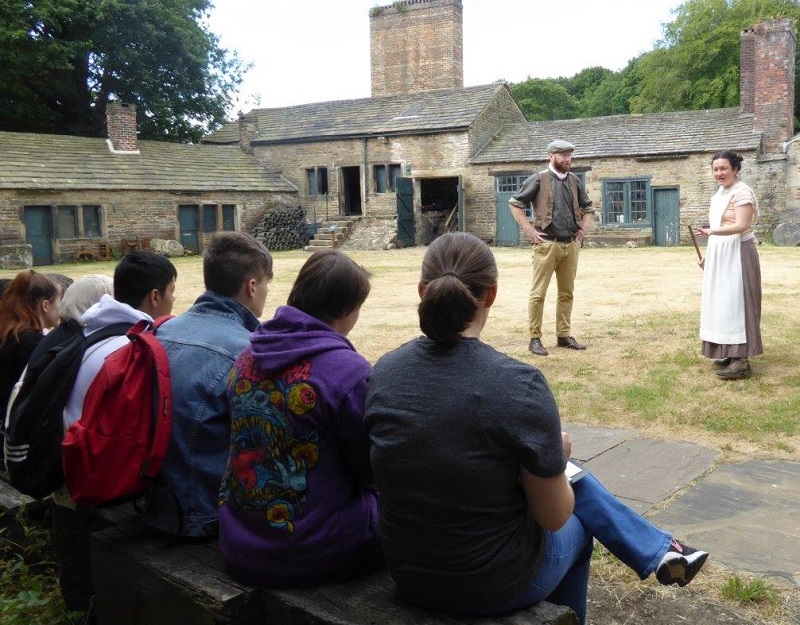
(416, 45)
(248, 131)
(121, 123)
(767, 81)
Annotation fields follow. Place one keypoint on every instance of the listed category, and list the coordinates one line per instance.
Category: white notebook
(574, 472)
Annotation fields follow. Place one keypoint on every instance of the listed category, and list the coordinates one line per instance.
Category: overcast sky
(318, 50)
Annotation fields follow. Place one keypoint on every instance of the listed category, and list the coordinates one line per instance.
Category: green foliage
(29, 593)
(695, 66)
(544, 99)
(754, 591)
(64, 60)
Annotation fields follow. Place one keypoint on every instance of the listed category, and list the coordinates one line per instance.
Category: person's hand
(702, 262)
(705, 232)
(534, 236)
(567, 443)
(580, 235)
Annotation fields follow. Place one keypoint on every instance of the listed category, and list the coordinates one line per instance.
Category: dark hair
(456, 271)
(61, 281)
(732, 157)
(4, 282)
(230, 259)
(329, 286)
(139, 272)
(19, 305)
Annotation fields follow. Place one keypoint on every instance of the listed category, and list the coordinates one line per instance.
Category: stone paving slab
(746, 515)
(641, 471)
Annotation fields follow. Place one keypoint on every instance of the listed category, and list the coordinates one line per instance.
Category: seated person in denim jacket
(202, 345)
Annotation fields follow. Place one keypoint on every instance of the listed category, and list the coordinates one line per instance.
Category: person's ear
(421, 289)
(491, 294)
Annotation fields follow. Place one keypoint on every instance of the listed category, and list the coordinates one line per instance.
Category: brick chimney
(121, 123)
(416, 45)
(248, 131)
(767, 81)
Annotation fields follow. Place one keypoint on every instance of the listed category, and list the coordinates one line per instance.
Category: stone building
(424, 142)
(64, 198)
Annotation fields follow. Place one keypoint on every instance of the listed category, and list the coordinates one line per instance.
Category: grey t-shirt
(449, 430)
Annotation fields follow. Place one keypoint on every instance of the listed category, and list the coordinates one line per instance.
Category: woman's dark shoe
(722, 362)
(738, 368)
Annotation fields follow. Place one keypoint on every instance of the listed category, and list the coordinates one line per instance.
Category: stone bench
(140, 577)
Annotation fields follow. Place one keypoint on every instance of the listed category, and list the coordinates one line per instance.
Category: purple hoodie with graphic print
(297, 502)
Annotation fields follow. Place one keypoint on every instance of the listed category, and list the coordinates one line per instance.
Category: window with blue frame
(511, 183)
(626, 202)
(385, 177)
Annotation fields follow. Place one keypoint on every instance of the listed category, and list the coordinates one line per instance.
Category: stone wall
(691, 174)
(422, 156)
(416, 45)
(127, 215)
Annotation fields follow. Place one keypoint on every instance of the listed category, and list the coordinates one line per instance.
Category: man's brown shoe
(738, 369)
(569, 342)
(536, 347)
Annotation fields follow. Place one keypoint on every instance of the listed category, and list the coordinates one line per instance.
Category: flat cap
(559, 146)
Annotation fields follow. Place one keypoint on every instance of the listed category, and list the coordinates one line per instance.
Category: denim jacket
(202, 345)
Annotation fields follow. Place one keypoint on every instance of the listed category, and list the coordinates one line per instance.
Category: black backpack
(34, 425)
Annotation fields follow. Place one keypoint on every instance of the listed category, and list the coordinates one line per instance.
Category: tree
(542, 99)
(63, 60)
(696, 65)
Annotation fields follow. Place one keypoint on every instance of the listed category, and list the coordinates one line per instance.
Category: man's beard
(562, 168)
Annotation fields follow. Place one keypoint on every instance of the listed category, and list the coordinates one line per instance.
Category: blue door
(405, 213)
(506, 227)
(187, 221)
(666, 216)
(39, 233)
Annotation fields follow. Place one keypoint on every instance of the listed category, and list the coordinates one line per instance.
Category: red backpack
(115, 450)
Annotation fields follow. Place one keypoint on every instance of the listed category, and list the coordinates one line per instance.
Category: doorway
(39, 233)
(351, 190)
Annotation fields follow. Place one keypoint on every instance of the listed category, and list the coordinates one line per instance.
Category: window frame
(317, 180)
(627, 187)
(385, 175)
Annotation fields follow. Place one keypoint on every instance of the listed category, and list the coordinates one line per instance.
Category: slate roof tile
(37, 161)
(440, 110)
(626, 136)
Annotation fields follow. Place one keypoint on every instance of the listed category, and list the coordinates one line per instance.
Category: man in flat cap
(562, 214)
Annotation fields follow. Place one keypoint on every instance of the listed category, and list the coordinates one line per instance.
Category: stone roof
(441, 110)
(651, 134)
(37, 161)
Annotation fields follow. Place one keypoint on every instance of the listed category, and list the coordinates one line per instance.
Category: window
(203, 217)
(67, 222)
(228, 219)
(317, 179)
(627, 202)
(91, 221)
(209, 217)
(386, 177)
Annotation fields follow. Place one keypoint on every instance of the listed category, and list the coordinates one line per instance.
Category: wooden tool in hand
(694, 240)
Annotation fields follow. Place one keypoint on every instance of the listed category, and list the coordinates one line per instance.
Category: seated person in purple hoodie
(297, 502)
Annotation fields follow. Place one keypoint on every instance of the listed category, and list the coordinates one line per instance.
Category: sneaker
(680, 564)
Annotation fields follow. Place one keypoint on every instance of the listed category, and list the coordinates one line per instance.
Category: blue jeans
(563, 574)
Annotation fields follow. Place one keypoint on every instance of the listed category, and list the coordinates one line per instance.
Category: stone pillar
(747, 61)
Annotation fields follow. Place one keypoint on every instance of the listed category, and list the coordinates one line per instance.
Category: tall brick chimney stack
(767, 81)
(416, 45)
(121, 123)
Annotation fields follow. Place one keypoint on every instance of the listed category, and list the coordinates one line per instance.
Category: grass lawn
(638, 310)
